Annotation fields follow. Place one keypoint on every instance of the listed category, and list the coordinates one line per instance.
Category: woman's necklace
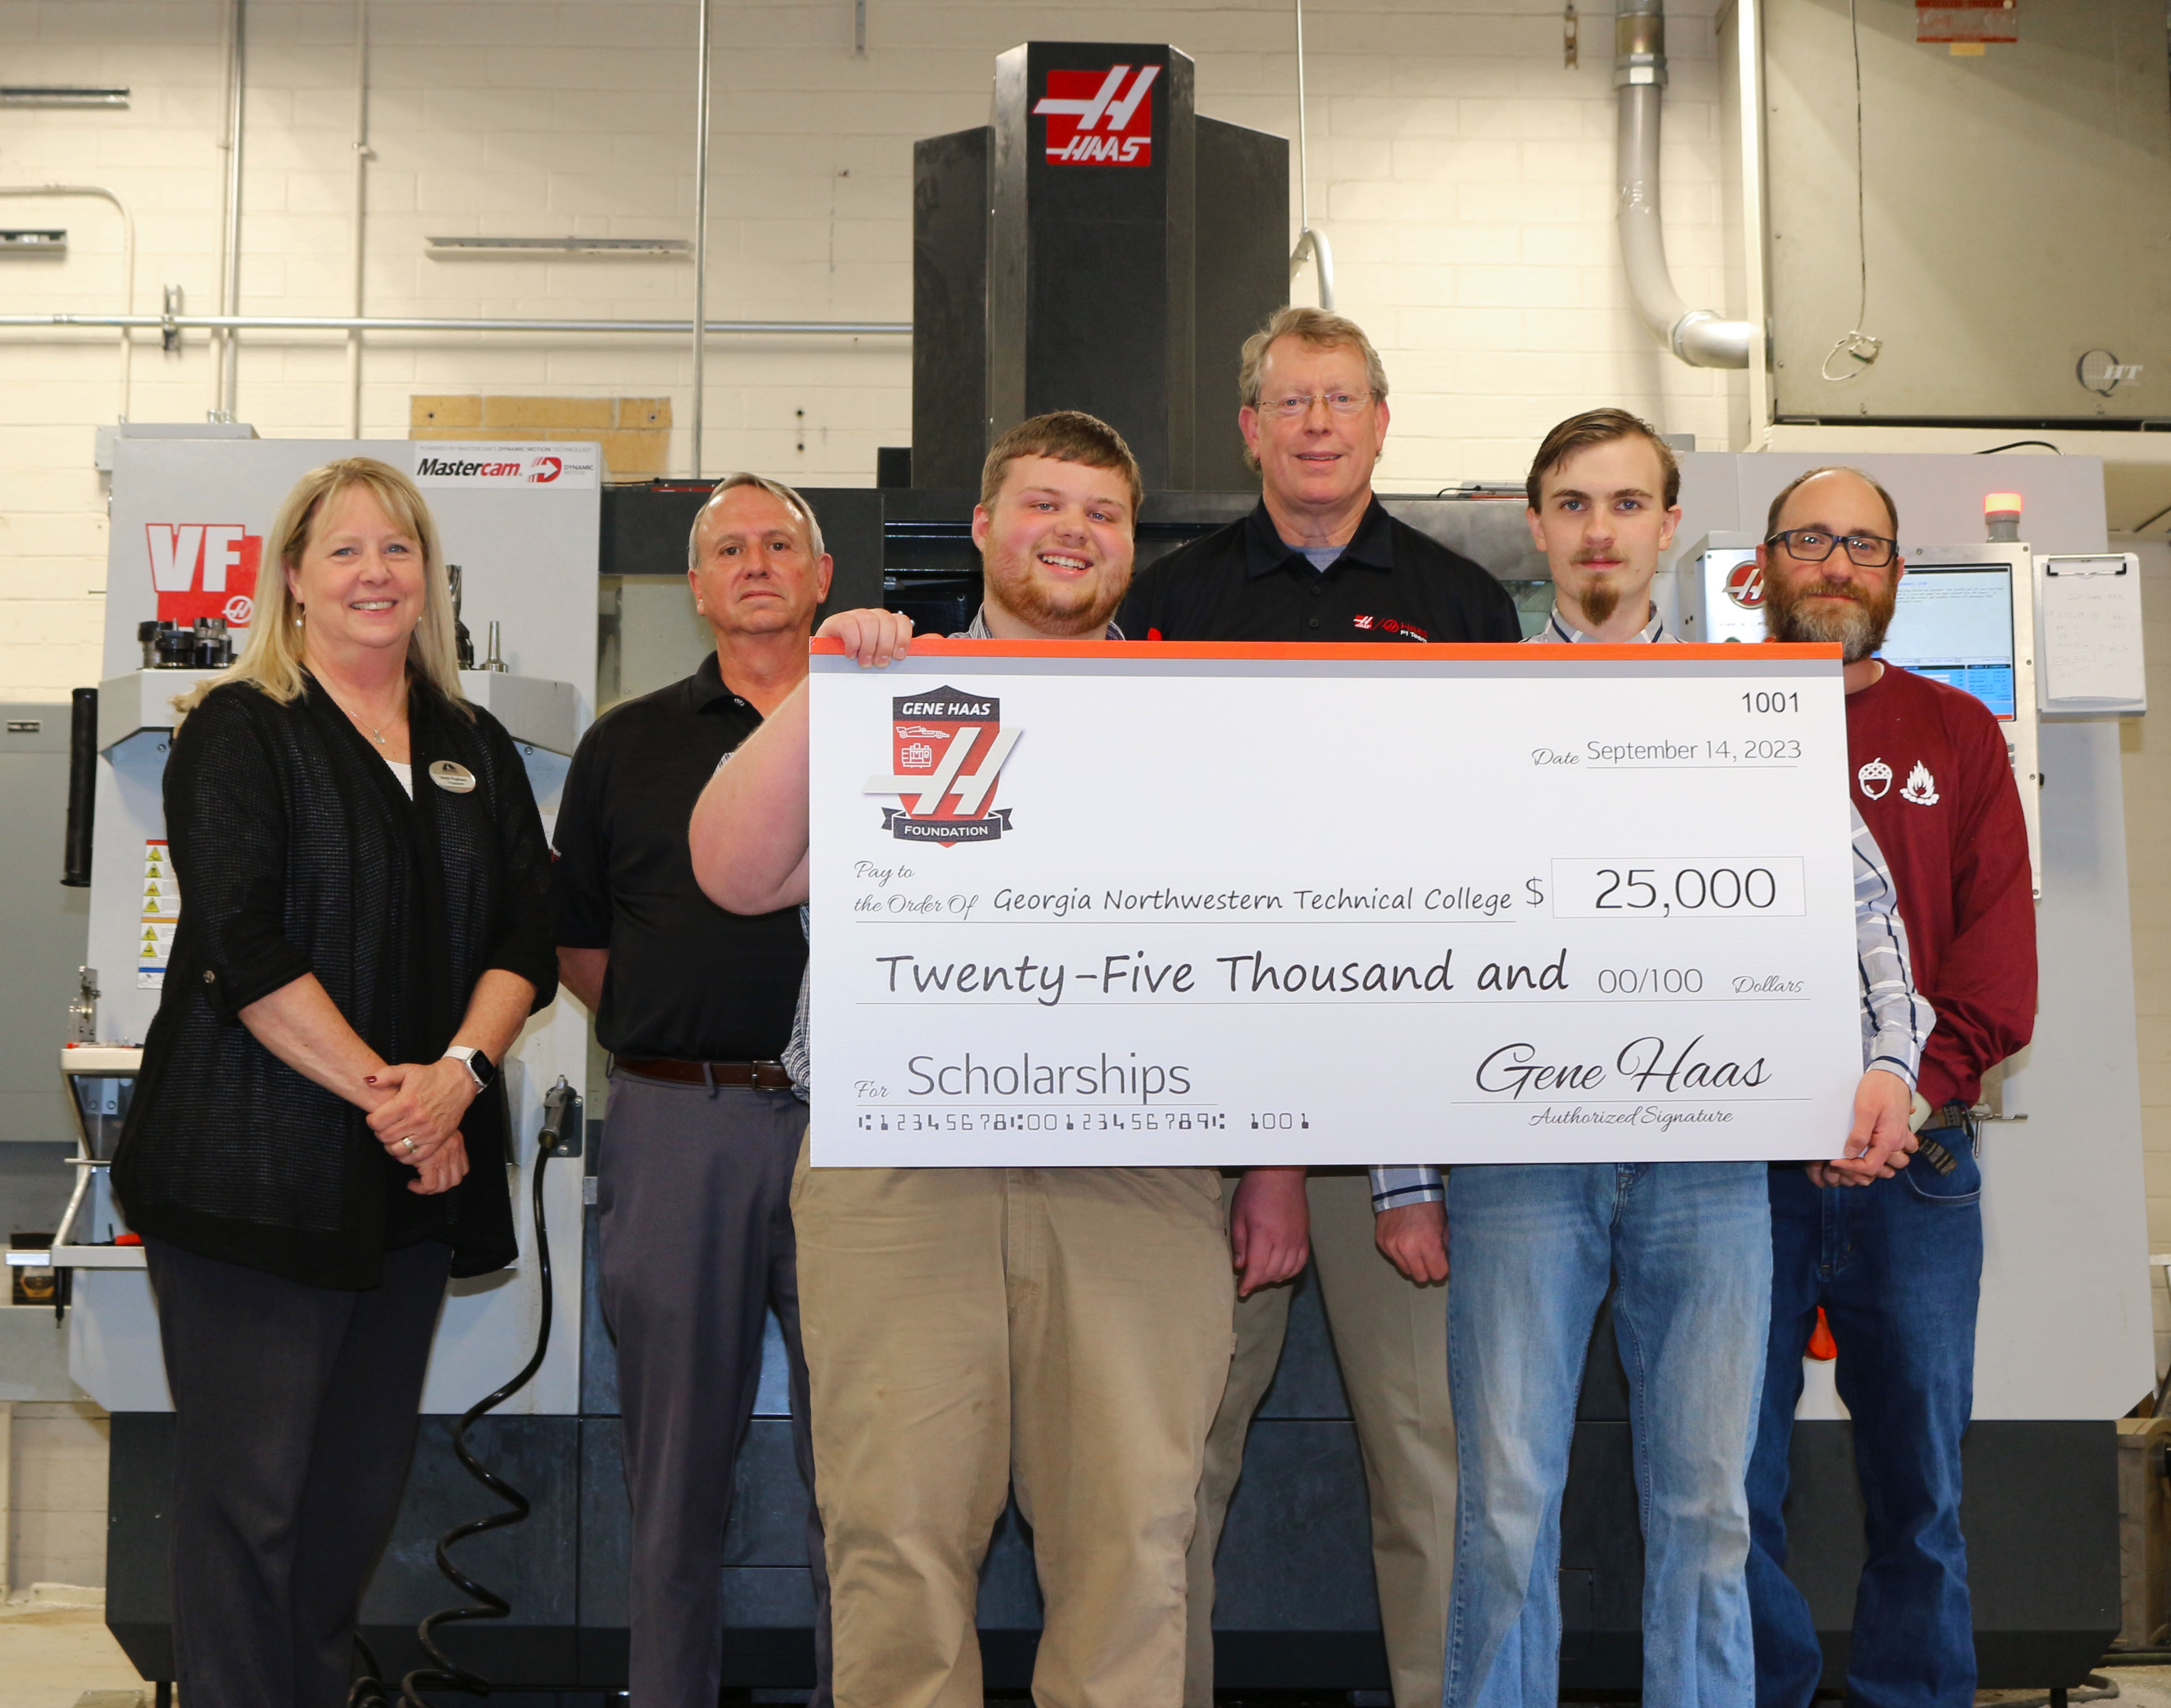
(375, 730)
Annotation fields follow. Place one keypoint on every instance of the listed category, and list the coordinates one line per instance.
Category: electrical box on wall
(1989, 242)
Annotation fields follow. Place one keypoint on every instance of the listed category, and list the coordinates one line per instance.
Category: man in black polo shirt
(1320, 559)
(695, 1006)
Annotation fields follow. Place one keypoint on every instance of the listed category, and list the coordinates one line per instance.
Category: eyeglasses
(1812, 545)
(1289, 408)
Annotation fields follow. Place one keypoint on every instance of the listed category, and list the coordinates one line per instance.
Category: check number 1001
(1671, 889)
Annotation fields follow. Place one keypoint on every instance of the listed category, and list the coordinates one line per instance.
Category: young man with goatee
(1062, 1332)
(1686, 1246)
(1897, 1268)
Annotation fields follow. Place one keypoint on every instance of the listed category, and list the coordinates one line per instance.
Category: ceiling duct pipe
(1698, 336)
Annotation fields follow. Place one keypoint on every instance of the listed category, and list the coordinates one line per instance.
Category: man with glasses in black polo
(1320, 559)
(1896, 1265)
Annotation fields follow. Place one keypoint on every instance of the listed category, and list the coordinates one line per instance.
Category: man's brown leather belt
(760, 1076)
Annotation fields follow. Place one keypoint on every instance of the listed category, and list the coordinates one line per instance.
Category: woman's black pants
(295, 1410)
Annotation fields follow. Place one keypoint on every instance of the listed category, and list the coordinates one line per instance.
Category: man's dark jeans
(1898, 1268)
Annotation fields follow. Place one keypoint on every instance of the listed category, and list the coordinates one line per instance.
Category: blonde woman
(318, 1135)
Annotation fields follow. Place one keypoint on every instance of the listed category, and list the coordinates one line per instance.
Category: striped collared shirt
(979, 630)
(1896, 1017)
(797, 1062)
(1556, 631)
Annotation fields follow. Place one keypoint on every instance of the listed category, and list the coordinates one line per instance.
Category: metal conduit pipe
(1314, 247)
(230, 284)
(1698, 336)
(361, 159)
(127, 262)
(698, 325)
(1310, 245)
(390, 323)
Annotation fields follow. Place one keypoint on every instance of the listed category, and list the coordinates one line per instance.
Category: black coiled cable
(369, 1690)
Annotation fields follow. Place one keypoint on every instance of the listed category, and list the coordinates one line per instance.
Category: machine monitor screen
(1956, 625)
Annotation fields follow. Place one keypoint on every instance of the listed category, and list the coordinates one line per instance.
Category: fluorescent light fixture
(60, 95)
(45, 242)
(455, 247)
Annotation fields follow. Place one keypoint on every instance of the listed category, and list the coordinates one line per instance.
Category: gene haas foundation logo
(1100, 118)
(202, 568)
(947, 749)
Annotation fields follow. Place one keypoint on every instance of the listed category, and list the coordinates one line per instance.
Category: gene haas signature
(1650, 1064)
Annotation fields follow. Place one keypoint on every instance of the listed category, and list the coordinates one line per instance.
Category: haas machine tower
(1099, 246)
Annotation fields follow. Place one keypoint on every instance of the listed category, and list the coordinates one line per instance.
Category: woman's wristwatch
(480, 1067)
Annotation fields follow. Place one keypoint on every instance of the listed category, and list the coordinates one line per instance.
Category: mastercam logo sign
(458, 463)
(1100, 118)
(202, 569)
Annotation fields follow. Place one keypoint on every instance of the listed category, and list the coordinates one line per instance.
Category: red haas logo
(1744, 584)
(204, 570)
(1099, 118)
(947, 750)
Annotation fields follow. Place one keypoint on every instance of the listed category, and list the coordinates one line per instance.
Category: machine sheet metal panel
(2065, 1330)
(2017, 216)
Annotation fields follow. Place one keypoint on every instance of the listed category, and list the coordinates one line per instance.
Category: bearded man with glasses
(1896, 1265)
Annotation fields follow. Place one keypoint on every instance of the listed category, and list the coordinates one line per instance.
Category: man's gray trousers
(694, 1188)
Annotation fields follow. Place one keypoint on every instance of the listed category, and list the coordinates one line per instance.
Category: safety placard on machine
(161, 913)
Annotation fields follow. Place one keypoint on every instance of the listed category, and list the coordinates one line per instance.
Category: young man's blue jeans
(1897, 1266)
(1533, 1247)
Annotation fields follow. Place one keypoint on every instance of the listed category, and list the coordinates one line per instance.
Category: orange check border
(1358, 652)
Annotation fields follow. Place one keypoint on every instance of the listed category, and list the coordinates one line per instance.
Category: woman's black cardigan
(298, 852)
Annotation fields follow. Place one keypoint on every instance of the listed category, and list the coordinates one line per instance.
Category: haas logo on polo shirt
(1100, 118)
(204, 570)
(947, 749)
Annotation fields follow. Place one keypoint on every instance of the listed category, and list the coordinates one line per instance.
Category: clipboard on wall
(2090, 659)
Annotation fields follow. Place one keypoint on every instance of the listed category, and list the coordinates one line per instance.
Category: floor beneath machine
(55, 1652)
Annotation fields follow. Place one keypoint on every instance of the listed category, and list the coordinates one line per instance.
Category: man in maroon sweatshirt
(1897, 1264)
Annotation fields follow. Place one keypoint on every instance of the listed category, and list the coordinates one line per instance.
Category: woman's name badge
(453, 778)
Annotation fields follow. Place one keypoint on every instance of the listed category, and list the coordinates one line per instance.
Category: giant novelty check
(1080, 903)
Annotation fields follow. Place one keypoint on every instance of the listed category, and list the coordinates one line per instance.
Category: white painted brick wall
(1465, 178)
(57, 1506)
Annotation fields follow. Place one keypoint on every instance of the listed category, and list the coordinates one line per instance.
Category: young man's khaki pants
(1391, 1341)
(1064, 1331)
